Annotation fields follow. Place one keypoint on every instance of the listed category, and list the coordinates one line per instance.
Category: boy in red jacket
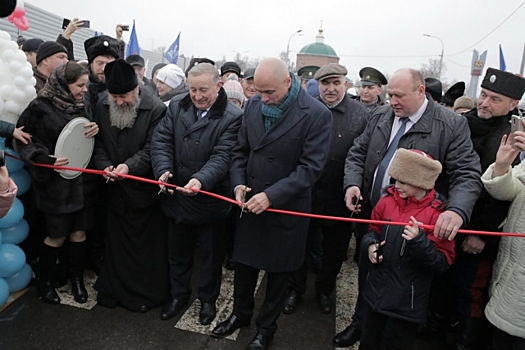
(404, 259)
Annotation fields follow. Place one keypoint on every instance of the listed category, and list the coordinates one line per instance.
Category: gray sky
(384, 34)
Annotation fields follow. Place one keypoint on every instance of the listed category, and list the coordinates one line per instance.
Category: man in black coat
(411, 121)
(349, 121)
(281, 150)
(192, 147)
(135, 269)
(464, 289)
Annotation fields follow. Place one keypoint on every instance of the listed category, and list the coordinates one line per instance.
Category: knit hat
(504, 83)
(312, 88)
(234, 89)
(230, 67)
(48, 48)
(171, 75)
(32, 45)
(101, 45)
(120, 77)
(434, 87)
(415, 168)
(464, 102)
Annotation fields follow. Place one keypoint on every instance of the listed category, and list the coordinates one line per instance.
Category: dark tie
(200, 112)
(383, 166)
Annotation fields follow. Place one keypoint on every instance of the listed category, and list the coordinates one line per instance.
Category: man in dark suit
(280, 153)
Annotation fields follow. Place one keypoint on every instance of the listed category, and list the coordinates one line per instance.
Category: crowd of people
(270, 138)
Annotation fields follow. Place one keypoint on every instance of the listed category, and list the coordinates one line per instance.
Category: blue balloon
(16, 234)
(20, 279)
(4, 291)
(11, 163)
(12, 259)
(13, 216)
(22, 180)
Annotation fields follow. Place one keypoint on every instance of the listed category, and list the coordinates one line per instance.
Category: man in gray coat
(191, 147)
(411, 121)
(281, 150)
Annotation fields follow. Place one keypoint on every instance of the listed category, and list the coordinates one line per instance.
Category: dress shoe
(229, 326)
(348, 337)
(259, 342)
(291, 302)
(207, 313)
(172, 308)
(144, 308)
(325, 302)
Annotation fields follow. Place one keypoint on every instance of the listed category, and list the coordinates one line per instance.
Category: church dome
(319, 48)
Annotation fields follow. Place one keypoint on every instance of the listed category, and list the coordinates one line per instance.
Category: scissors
(243, 200)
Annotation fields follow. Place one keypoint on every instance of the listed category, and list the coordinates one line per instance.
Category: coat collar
(293, 115)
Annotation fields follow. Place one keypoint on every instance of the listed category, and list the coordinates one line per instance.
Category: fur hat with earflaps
(415, 168)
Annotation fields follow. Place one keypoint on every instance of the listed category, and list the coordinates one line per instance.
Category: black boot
(61, 273)
(47, 265)
(78, 255)
(474, 334)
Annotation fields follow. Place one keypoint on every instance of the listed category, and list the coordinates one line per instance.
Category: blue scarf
(272, 114)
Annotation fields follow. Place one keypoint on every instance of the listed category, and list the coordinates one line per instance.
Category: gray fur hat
(415, 168)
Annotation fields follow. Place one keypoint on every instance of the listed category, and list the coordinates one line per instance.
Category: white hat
(171, 75)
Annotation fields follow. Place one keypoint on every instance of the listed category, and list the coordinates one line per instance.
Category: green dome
(318, 49)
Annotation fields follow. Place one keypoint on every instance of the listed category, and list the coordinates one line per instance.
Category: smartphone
(85, 23)
(2, 158)
(515, 125)
(125, 28)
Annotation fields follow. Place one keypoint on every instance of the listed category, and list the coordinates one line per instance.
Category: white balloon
(15, 66)
(11, 45)
(31, 81)
(26, 72)
(5, 36)
(8, 55)
(6, 92)
(2, 104)
(20, 82)
(12, 107)
(29, 93)
(19, 96)
(3, 43)
(20, 56)
(5, 74)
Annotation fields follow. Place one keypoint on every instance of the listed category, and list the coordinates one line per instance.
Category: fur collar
(217, 109)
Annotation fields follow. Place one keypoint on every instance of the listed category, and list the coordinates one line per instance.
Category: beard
(123, 116)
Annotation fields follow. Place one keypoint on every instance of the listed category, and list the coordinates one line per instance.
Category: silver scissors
(355, 207)
(243, 200)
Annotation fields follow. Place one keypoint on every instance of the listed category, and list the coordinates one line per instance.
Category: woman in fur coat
(65, 203)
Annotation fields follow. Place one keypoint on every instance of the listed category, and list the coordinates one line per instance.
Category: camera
(85, 23)
(125, 28)
(516, 125)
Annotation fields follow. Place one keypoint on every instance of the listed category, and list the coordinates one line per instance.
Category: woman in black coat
(65, 203)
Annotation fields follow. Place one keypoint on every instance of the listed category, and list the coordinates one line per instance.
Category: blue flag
(172, 55)
(133, 45)
(502, 64)
(96, 33)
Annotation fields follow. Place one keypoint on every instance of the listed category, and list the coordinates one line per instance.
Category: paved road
(30, 324)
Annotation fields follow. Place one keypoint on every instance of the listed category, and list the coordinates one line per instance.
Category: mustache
(329, 93)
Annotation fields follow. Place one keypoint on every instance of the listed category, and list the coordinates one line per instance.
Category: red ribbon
(272, 210)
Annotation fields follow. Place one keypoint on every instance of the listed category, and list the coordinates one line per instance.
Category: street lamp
(288, 47)
(442, 53)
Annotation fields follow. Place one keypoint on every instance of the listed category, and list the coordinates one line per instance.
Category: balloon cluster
(17, 84)
(16, 91)
(15, 273)
(18, 17)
